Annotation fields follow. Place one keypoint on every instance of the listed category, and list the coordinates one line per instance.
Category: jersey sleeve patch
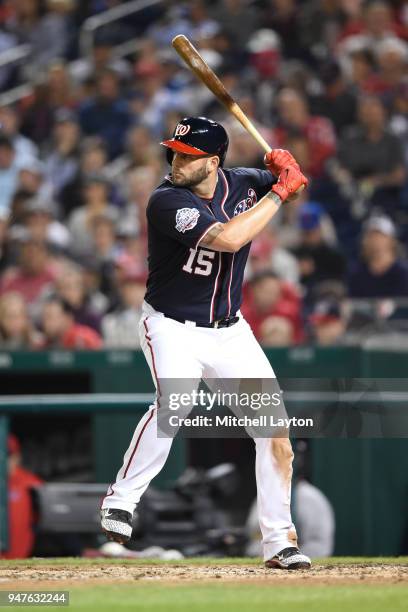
(186, 219)
(174, 213)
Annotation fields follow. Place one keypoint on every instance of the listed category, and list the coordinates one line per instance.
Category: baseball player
(201, 221)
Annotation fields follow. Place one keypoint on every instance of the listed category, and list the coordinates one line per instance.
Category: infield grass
(236, 598)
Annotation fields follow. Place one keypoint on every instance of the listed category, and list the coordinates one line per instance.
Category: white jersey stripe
(215, 288)
(232, 262)
(205, 232)
(229, 286)
(224, 199)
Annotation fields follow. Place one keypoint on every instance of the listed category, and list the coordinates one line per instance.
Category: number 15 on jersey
(199, 262)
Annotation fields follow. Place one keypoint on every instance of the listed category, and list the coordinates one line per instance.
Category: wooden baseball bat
(201, 69)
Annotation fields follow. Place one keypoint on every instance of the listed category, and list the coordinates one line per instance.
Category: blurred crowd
(79, 157)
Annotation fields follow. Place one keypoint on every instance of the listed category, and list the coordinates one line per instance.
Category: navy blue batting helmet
(198, 136)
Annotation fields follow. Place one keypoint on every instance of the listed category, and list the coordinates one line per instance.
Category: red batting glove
(278, 159)
(290, 181)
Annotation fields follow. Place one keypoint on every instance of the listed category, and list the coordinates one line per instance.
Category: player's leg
(166, 347)
(239, 356)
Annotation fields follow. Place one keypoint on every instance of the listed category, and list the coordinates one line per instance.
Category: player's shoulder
(166, 195)
(252, 177)
(241, 173)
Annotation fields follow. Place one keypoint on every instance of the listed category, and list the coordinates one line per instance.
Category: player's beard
(194, 179)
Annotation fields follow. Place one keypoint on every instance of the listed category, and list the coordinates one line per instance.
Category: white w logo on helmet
(182, 130)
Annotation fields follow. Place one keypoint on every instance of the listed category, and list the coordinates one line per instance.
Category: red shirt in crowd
(78, 337)
(287, 306)
(30, 287)
(321, 140)
(20, 513)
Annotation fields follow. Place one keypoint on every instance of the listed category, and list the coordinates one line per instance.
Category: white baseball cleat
(117, 524)
(289, 558)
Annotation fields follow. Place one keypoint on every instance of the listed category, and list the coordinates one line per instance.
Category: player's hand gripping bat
(193, 59)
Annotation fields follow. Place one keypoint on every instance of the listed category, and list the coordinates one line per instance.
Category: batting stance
(201, 221)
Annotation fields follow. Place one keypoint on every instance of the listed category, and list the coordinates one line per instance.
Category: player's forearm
(240, 230)
(243, 228)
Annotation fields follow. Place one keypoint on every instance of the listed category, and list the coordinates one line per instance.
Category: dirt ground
(81, 575)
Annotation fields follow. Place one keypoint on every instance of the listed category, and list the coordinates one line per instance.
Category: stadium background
(87, 91)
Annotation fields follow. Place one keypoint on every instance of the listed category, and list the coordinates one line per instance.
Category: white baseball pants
(182, 350)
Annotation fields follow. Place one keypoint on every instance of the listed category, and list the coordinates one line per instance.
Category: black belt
(225, 322)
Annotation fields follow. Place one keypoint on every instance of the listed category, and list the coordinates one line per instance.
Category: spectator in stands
(171, 23)
(124, 266)
(132, 255)
(99, 292)
(318, 261)
(32, 179)
(21, 514)
(372, 156)
(96, 203)
(18, 204)
(335, 51)
(139, 186)
(319, 26)
(152, 99)
(362, 69)
(276, 331)
(39, 217)
(399, 120)
(62, 162)
(121, 327)
(392, 57)
(4, 239)
(48, 32)
(24, 19)
(33, 274)
(53, 92)
(282, 17)
(264, 65)
(236, 20)
(93, 159)
(9, 173)
(107, 114)
(338, 100)
(70, 287)
(105, 249)
(51, 38)
(141, 147)
(380, 272)
(100, 58)
(104, 245)
(289, 229)
(378, 23)
(61, 331)
(267, 296)
(16, 329)
(24, 148)
(140, 151)
(328, 324)
(202, 26)
(267, 254)
(294, 117)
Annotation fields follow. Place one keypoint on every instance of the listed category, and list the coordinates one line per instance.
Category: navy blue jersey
(190, 282)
